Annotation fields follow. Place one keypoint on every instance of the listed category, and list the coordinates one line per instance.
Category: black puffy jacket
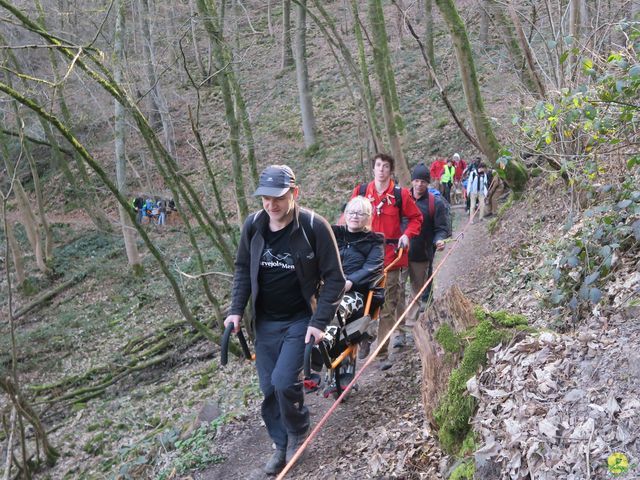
(362, 255)
(434, 228)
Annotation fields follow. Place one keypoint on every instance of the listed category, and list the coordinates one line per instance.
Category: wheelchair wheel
(343, 375)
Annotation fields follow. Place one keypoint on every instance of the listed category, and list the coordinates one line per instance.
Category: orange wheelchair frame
(348, 356)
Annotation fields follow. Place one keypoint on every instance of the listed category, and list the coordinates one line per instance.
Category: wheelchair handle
(399, 253)
(224, 344)
(307, 357)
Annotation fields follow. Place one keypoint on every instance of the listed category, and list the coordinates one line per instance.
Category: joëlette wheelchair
(338, 350)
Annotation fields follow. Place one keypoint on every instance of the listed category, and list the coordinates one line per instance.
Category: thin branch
(433, 75)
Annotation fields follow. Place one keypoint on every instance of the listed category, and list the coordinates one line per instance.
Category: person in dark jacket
(362, 256)
(423, 247)
(288, 266)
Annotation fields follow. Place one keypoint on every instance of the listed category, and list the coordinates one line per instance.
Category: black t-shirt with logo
(280, 297)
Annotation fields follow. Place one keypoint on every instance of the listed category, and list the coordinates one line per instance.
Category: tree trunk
(287, 53)
(428, 37)
(209, 14)
(374, 127)
(452, 309)
(269, 24)
(128, 231)
(517, 46)
(302, 76)
(529, 70)
(485, 18)
(574, 33)
(16, 254)
(159, 108)
(384, 75)
(44, 223)
(516, 175)
(194, 40)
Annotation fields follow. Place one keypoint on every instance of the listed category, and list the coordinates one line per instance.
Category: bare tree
(287, 52)
(386, 83)
(128, 231)
(302, 76)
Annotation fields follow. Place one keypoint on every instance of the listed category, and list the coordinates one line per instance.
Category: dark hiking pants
(279, 358)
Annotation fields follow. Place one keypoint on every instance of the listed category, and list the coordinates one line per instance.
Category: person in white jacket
(477, 189)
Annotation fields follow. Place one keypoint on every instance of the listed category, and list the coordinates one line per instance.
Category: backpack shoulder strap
(397, 193)
(307, 230)
(432, 205)
(362, 189)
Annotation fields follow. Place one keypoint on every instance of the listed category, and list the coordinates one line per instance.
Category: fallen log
(456, 311)
(46, 296)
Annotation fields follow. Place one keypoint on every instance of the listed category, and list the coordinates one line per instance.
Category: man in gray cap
(288, 265)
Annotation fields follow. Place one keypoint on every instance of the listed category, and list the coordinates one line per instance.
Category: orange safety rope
(372, 356)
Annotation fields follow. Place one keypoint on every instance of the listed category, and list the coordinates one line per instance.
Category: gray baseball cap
(275, 181)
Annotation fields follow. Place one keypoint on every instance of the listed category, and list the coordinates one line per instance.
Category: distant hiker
(458, 192)
(422, 249)
(138, 204)
(148, 208)
(362, 257)
(472, 167)
(162, 211)
(390, 205)
(496, 189)
(288, 266)
(477, 188)
(448, 174)
(435, 171)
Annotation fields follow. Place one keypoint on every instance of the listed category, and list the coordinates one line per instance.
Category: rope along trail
(372, 356)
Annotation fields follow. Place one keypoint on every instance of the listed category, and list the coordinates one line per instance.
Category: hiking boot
(385, 364)
(275, 463)
(399, 341)
(364, 347)
(294, 440)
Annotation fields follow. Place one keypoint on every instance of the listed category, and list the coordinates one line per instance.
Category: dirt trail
(380, 430)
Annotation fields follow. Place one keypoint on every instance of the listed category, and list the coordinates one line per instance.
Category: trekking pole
(224, 345)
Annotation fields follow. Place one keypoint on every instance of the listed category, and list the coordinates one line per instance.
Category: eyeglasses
(355, 214)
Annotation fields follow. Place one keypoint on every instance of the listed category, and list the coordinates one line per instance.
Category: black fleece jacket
(316, 260)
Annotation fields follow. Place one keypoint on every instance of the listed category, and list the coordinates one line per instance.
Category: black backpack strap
(362, 189)
(307, 230)
(397, 192)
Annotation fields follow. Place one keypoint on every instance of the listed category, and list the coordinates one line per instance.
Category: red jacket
(460, 166)
(387, 220)
(437, 169)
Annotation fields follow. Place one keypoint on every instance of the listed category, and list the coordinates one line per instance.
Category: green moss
(464, 471)
(448, 339)
(507, 319)
(456, 406)
(468, 444)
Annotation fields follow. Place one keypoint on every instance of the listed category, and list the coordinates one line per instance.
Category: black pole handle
(224, 344)
(243, 344)
(307, 357)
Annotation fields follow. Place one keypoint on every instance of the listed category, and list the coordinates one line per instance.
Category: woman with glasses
(362, 256)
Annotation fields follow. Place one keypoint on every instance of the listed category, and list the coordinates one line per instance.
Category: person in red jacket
(460, 165)
(435, 172)
(390, 205)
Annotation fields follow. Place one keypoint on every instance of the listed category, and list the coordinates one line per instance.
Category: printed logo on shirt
(278, 260)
